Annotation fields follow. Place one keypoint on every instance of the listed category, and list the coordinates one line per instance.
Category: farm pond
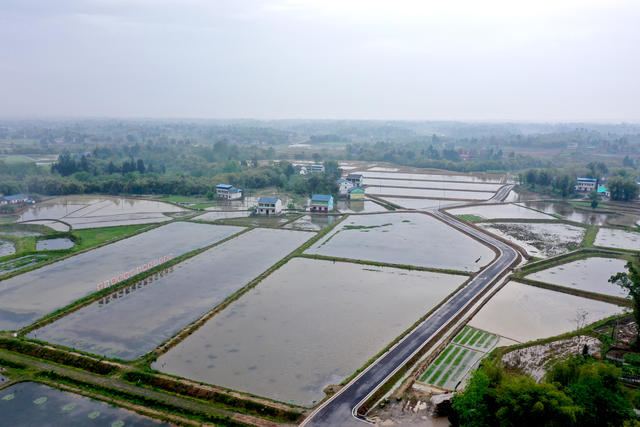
(310, 324)
(134, 321)
(403, 238)
(33, 404)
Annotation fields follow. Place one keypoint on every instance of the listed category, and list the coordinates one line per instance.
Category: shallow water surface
(430, 177)
(503, 211)
(134, 321)
(404, 238)
(7, 248)
(438, 185)
(357, 206)
(525, 313)
(568, 212)
(312, 222)
(212, 216)
(416, 203)
(613, 238)
(421, 192)
(30, 296)
(54, 244)
(310, 324)
(590, 274)
(33, 404)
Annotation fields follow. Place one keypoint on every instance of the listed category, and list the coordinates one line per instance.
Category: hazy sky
(363, 59)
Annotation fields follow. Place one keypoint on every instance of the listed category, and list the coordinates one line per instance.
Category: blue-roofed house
(343, 187)
(269, 206)
(228, 192)
(321, 203)
(586, 184)
(15, 199)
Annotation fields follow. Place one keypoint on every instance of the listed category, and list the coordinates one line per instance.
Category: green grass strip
(461, 334)
(444, 365)
(469, 335)
(476, 338)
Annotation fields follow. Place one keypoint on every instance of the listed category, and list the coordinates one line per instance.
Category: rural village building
(321, 203)
(14, 200)
(269, 206)
(343, 187)
(356, 193)
(228, 192)
(317, 168)
(355, 179)
(586, 184)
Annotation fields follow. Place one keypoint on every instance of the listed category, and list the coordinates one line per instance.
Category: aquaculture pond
(430, 177)
(590, 274)
(7, 248)
(312, 222)
(30, 296)
(421, 192)
(132, 322)
(33, 404)
(613, 238)
(404, 238)
(357, 206)
(310, 324)
(500, 211)
(438, 185)
(54, 244)
(524, 313)
(567, 211)
(539, 239)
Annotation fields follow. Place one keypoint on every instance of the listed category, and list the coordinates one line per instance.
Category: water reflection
(313, 222)
(421, 192)
(54, 244)
(568, 212)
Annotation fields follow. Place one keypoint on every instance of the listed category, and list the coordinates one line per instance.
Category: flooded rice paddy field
(56, 225)
(368, 174)
(213, 216)
(503, 211)
(567, 211)
(404, 238)
(20, 233)
(21, 262)
(33, 404)
(54, 244)
(310, 324)
(312, 222)
(539, 239)
(590, 274)
(524, 313)
(244, 204)
(456, 185)
(134, 321)
(421, 192)
(7, 248)
(357, 206)
(613, 238)
(82, 210)
(415, 203)
(30, 296)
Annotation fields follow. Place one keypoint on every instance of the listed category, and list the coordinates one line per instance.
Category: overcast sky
(326, 59)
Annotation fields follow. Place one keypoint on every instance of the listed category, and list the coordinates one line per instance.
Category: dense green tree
(630, 282)
(622, 188)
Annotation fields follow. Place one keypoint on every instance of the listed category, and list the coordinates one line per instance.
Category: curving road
(341, 408)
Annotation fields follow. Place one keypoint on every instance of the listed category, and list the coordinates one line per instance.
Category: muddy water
(612, 238)
(404, 238)
(523, 313)
(54, 244)
(312, 222)
(28, 297)
(429, 177)
(500, 211)
(421, 192)
(32, 404)
(7, 248)
(568, 212)
(433, 184)
(357, 206)
(121, 326)
(310, 324)
(591, 274)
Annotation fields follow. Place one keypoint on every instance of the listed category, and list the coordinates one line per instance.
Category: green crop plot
(470, 217)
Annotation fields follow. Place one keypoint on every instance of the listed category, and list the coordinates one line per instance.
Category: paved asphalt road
(340, 409)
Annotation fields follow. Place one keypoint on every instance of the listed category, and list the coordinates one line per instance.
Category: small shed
(228, 192)
(269, 206)
(321, 203)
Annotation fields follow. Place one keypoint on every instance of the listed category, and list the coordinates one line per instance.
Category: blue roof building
(228, 192)
(321, 203)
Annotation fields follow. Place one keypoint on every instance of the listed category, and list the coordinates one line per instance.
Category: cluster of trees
(554, 181)
(577, 392)
(327, 138)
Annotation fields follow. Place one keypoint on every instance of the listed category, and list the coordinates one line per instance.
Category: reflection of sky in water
(309, 324)
(7, 248)
(313, 222)
(420, 192)
(355, 206)
(500, 211)
(524, 313)
(411, 238)
(31, 295)
(32, 404)
(434, 177)
(432, 184)
(135, 322)
(613, 238)
(54, 244)
(568, 212)
(591, 274)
